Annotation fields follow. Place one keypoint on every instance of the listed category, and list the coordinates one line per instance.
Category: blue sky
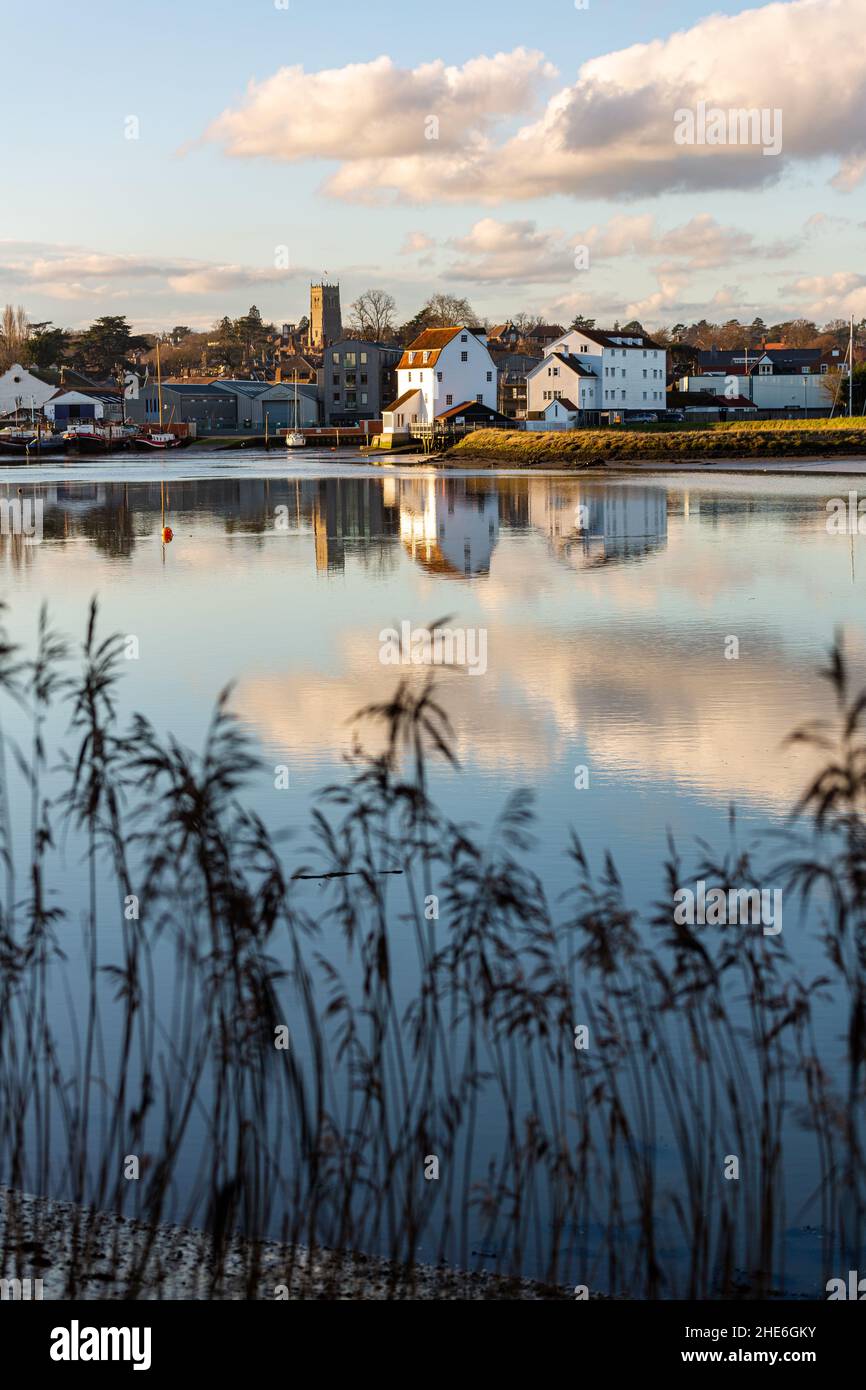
(190, 219)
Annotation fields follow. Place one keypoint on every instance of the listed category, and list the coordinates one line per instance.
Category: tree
(372, 316)
(14, 331)
(580, 322)
(47, 346)
(440, 311)
(106, 345)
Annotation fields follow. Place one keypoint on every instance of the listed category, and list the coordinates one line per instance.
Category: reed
(606, 1169)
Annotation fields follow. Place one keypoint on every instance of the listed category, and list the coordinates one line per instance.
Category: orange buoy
(167, 534)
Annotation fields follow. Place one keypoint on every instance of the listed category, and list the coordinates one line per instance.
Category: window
(644, 371)
(479, 399)
(623, 395)
(411, 358)
(363, 378)
(336, 395)
(464, 357)
(363, 359)
(622, 371)
(489, 376)
(336, 357)
(363, 397)
(426, 358)
(464, 337)
(644, 353)
(644, 395)
(350, 359)
(449, 400)
(336, 379)
(438, 376)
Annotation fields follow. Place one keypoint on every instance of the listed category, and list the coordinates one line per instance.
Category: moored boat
(159, 439)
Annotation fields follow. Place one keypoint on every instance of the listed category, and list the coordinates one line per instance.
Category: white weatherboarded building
(443, 369)
(21, 390)
(630, 369)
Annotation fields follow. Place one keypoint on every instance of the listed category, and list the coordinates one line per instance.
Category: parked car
(675, 415)
(643, 419)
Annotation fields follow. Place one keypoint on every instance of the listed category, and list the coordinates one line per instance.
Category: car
(643, 419)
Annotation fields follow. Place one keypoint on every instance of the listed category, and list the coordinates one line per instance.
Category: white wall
(621, 369)
(463, 381)
(20, 388)
(788, 392)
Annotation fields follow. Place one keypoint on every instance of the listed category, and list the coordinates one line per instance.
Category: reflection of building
(448, 529)
(598, 524)
(350, 515)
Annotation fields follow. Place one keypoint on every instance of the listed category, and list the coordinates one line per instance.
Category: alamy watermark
(434, 646)
(714, 907)
(712, 125)
(24, 519)
(847, 518)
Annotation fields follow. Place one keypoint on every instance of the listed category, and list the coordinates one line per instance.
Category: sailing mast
(851, 369)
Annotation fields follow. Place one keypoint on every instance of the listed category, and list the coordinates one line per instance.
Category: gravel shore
(41, 1238)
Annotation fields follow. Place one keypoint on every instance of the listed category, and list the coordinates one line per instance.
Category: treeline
(109, 346)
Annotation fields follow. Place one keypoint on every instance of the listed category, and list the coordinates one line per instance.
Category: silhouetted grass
(607, 1169)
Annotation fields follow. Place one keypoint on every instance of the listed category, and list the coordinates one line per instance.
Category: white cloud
(517, 252)
(71, 273)
(347, 113)
(610, 134)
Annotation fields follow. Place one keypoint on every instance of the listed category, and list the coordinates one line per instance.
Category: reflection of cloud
(692, 720)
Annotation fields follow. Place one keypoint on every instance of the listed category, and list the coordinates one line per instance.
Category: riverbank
(84, 1254)
(603, 448)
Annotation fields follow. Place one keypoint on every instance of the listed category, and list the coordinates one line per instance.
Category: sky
(187, 159)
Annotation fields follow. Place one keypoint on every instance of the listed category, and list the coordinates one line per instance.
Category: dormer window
(411, 357)
(426, 357)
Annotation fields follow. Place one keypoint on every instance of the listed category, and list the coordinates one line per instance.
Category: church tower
(326, 324)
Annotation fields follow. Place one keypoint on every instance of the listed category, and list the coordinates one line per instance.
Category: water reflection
(607, 606)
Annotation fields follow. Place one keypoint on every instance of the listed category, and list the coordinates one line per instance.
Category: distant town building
(778, 378)
(358, 379)
(629, 368)
(443, 370)
(22, 390)
(64, 407)
(326, 323)
(560, 376)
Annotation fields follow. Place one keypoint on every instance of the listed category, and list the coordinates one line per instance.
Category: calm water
(605, 649)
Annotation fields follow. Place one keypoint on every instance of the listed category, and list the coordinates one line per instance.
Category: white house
(561, 377)
(443, 369)
(630, 368)
(21, 390)
(769, 382)
(66, 407)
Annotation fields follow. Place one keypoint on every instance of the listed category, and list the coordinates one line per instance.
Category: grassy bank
(765, 439)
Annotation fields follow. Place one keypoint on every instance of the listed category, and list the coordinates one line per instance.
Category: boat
(28, 441)
(294, 438)
(94, 437)
(160, 439)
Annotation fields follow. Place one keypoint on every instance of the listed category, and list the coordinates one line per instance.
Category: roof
(469, 408)
(561, 400)
(243, 387)
(546, 330)
(613, 338)
(401, 400)
(573, 363)
(432, 340)
(182, 388)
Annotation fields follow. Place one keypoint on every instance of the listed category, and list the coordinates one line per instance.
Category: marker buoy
(167, 534)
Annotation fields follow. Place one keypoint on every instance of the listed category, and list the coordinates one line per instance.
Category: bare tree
(14, 333)
(372, 315)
